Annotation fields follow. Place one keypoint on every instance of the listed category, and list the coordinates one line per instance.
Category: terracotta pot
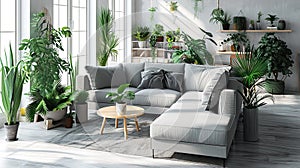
(159, 38)
(69, 122)
(11, 131)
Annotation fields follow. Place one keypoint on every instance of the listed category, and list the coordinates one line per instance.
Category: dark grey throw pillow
(161, 79)
(152, 79)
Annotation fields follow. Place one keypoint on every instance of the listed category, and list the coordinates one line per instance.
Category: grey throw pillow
(106, 77)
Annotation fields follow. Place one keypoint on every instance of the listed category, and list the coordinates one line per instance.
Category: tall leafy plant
(108, 41)
(12, 80)
(277, 54)
(42, 62)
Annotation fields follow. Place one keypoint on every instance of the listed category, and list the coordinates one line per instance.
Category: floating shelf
(229, 52)
(256, 31)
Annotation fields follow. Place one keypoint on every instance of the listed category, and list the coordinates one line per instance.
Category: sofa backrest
(179, 68)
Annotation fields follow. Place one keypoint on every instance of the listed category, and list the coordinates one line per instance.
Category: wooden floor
(279, 137)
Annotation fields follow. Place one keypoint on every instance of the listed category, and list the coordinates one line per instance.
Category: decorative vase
(11, 131)
(274, 87)
(121, 108)
(142, 44)
(81, 112)
(250, 124)
(281, 25)
(225, 26)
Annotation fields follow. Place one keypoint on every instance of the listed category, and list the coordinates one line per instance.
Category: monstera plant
(196, 52)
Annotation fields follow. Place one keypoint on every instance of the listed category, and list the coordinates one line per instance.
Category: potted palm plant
(108, 41)
(81, 106)
(219, 16)
(142, 34)
(251, 69)
(271, 19)
(12, 80)
(279, 59)
(119, 98)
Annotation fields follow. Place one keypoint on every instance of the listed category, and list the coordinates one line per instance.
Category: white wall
(184, 18)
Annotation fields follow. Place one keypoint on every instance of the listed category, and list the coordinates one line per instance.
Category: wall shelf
(256, 31)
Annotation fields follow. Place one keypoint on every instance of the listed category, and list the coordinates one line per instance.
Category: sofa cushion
(161, 79)
(99, 95)
(189, 101)
(156, 97)
(106, 77)
(167, 67)
(133, 73)
(188, 126)
(213, 89)
(197, 76)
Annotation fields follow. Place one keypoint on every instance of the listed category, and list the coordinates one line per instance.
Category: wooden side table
(110, 112)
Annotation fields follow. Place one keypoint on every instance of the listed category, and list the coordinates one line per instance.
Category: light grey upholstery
(156, 97)
(193, 127)
(133, 73)
(201, 119)
(167, 67)
(99, 95)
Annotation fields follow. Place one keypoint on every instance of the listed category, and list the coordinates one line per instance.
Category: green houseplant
(173, 6)
(196, 7)
(42, 63)
(41, 54)
(158, 31)
(108, 41)
(12, 80)
(259, 15)
(142, 34)
(53, 105)
(271, 19)
(279, 59)
(119, 98)
(219, 16)
(196, 52)
(237, 40)
(81, 107)
(251, 69)
(173, 36)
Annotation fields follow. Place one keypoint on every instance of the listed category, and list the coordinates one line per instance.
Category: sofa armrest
(228, 102)
(83, 83)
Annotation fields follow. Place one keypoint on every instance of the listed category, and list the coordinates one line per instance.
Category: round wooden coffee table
(110, 112)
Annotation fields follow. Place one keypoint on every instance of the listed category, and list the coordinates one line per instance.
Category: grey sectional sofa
(199, 118)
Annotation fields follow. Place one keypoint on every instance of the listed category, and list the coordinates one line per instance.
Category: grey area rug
(87, 136)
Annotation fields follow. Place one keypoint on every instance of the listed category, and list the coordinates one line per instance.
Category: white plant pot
(81, 112)
(121, 108)
(142, 44)
(55, 115)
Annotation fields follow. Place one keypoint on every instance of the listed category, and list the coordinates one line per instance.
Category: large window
(121, 14)
(73, 14)
(8, 27)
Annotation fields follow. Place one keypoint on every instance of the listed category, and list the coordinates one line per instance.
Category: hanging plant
(152, 10)
(173, 6)
(196, 7)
